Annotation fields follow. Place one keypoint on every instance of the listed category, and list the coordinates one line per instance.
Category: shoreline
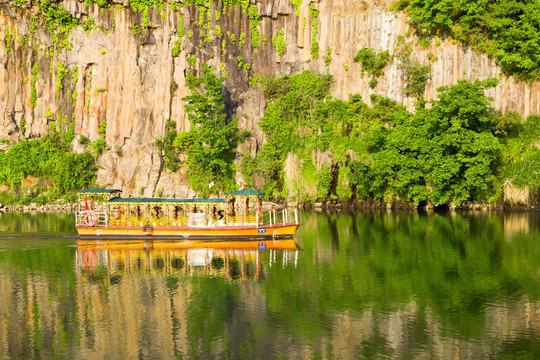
(316, 206)
(46, 208)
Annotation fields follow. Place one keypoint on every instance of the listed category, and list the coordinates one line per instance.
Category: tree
(462, 154)
(447, 154)
(210, 144)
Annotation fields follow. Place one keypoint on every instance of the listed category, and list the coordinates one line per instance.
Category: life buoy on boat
(90, 219)
(90, 258)
(147, 230)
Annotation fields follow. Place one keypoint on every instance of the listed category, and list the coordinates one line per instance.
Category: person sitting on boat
(220, 217)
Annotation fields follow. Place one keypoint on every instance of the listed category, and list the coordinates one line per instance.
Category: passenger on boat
(220, 217)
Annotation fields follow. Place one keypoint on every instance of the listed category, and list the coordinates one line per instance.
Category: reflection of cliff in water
(520, 223)
(163, 316)
(232, 260)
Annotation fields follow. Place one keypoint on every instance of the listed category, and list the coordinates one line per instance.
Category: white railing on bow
(91, 218)
(284, 216)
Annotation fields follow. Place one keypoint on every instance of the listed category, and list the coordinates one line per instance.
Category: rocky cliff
(126, 65)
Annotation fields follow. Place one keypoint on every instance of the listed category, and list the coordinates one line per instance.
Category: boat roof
(164, 200)
(245, 192)
(99, 191)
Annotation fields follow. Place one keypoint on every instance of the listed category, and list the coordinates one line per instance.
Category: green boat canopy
(165, 201)
(99, 191)
(245, 192)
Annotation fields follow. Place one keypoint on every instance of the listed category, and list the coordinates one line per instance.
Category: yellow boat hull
(282, 231)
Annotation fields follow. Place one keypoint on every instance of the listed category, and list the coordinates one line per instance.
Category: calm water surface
(355, 285)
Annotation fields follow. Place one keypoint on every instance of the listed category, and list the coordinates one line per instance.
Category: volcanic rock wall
(120, 69)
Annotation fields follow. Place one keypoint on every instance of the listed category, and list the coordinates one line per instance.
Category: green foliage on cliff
(210, 144)
(524, 172)
(254, 22)
(328, 57)
(297, 4)
(98, 146)
(180, 33)
(521, 155)
(415, 74)
(33, 89)
(8, 40)
(141, 5)
(372, 62)
(324, 183)
(59, 21)
(445, 154)
(508, 30)
(50, 158)
(60, 74)
(278, 41)
(168, 152)
(287, 124)
(176, 48)
(459, 149)
(100, 3)
(313, 14)
(22, 126)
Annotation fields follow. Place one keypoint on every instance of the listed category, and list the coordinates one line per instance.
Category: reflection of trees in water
(235, 269)
(177, 263)
(218, 263)
(28, 222)
(454, 265)
(139, 263)
(159, 263)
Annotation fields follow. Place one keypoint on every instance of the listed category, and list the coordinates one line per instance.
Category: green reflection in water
(454, 266)
(211, 305)
(38, 289)
(13, 222)
(36, 268)
(363, 285)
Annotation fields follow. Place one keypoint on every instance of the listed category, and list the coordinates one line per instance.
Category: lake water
(353, 285)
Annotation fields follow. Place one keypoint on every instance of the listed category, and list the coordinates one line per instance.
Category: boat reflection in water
(234, 260)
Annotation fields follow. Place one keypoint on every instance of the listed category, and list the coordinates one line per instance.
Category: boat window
(197, 219)
(115, 211)
(178, 212)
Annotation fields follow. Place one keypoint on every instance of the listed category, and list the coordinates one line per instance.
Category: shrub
(48, 157)
(168, 152)
(372, 62)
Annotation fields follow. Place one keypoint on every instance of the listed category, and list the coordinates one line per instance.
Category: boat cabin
(105, 207)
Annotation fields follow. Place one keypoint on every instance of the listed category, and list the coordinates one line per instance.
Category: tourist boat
(103, 213)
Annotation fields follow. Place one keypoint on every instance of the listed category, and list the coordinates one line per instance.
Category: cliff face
(120, 68)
